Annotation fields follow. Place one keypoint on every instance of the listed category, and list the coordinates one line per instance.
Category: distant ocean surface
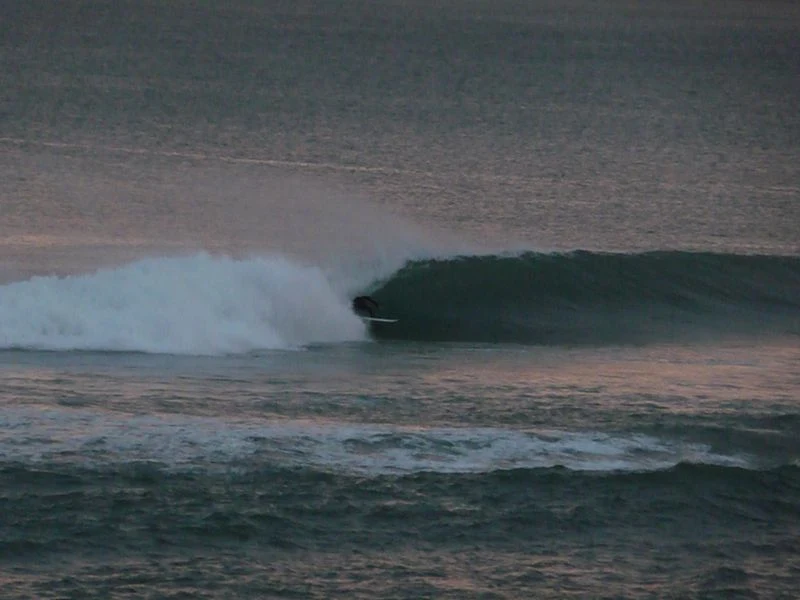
(585, 217)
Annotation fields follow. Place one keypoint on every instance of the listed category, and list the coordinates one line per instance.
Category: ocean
(585, 217)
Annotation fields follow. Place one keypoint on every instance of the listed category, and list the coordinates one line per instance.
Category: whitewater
(187, 305)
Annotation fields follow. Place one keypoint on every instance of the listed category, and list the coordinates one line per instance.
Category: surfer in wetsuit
(364, 306)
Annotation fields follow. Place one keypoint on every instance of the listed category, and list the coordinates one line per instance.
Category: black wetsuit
(364, 306)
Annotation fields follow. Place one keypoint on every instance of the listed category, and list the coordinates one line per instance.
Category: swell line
(321, 166)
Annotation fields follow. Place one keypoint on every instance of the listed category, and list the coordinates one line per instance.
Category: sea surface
(584, 215)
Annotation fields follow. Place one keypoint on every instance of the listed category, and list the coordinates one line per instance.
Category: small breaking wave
(183, 443)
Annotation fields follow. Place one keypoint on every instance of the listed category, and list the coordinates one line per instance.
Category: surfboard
(378, 320)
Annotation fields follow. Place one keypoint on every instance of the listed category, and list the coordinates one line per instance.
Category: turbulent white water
(190, 305)
(182, 442)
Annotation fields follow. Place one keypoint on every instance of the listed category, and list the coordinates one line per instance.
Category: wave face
(189, 305)
(591, 297)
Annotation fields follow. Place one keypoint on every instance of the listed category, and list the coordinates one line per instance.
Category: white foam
(182, 442)
(190, 305)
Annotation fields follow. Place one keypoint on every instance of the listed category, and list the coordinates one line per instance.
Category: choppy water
(583, 215)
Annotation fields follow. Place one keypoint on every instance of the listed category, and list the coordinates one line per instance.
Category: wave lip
(189, 305)
(591, 297)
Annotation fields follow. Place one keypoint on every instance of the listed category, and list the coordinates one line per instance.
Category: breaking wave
(180, 443)
(208, 305)
(189, 305)
(590, 297)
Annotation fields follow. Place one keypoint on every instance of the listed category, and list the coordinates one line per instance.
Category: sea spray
(199, 304)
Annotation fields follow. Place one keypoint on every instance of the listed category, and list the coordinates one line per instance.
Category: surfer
(364, 306)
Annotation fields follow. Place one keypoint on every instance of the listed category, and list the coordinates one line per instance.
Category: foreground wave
(86, 439)
(590, 297)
